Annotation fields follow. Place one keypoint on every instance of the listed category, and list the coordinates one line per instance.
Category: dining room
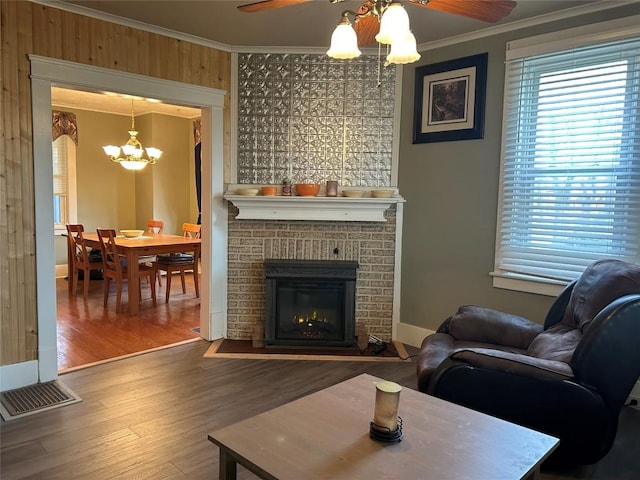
(100, 193)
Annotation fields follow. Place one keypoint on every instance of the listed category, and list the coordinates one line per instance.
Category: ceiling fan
(368, 25)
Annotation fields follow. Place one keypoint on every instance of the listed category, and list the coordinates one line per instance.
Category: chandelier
(132, 152)
(394, 32)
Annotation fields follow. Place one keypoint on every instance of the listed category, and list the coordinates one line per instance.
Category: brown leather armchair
(569, 378)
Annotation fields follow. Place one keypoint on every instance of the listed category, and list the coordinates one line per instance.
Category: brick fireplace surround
(251, 242)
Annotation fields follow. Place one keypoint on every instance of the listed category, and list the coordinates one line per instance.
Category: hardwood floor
(88, 332)
(148, 416)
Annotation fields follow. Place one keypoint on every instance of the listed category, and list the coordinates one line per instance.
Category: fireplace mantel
(345, 209)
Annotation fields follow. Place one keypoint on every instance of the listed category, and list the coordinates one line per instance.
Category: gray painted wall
(451, 190)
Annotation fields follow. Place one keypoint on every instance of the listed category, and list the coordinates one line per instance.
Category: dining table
(145, 245)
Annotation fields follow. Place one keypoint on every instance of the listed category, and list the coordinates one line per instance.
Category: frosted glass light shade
(153, 153)
(112, 150)
(344, 42)
(133, 165)
(404, 51)
(394, 24)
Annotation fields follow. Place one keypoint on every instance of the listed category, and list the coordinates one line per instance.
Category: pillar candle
(387, 401)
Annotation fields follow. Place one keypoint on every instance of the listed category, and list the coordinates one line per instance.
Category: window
(570, 183)
(64, 183)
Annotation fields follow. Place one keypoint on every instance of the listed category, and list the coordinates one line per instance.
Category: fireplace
(310, 303)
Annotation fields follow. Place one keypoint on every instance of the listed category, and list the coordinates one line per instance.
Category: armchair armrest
(515, 363)
(479, 324)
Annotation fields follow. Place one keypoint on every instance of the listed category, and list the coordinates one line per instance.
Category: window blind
(570, 183)
(60, 180)
(59, 150)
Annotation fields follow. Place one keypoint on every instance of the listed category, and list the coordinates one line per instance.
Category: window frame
(72, 190)
(555, 42)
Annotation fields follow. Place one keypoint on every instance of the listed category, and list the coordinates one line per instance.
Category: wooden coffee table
(325, 435)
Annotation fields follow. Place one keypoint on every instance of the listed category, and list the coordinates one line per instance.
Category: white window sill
(523, 283)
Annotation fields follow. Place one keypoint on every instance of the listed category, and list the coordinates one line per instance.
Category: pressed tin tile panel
(310, 118)
(251, 242)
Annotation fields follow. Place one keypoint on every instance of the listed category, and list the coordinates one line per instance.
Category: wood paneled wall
(32, 28)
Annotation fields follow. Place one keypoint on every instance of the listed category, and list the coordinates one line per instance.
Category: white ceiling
(117, 104)
(307, 26)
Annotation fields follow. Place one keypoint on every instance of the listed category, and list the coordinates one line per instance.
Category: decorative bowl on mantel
(382, 193)
(353, 193)
(307, 189)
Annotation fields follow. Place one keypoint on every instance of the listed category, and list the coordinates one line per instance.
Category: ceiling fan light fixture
(394, 24)
(403, 51)
(344, 41)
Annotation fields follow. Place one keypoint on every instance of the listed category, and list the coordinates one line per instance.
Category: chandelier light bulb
(403, 51)
(344, 41)
(394, 24)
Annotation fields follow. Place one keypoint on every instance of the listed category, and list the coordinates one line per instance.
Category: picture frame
(449, 100)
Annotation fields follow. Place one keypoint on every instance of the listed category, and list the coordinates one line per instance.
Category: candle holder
(383, 434)
(386, 425)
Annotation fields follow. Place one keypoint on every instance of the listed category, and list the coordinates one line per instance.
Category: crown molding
(485, 32)
(529, 22)
(108, 17)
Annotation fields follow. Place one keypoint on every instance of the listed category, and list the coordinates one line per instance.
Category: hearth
(310, 303)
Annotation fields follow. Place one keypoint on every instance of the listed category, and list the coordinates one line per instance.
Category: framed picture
(450, 100)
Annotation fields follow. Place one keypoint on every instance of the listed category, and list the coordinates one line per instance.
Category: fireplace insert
(310, 303)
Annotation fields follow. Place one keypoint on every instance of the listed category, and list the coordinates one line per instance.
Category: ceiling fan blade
(268, 5)
(485, 10)
(366, 30)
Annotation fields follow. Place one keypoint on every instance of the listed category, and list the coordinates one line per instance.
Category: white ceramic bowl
(132, 233)
(381, 193)
(353, 193)
(247, 191)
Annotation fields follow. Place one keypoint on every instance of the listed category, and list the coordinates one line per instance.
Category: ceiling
(306, 26)
(114, 103)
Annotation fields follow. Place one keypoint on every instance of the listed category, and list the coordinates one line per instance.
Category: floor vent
(35, 399)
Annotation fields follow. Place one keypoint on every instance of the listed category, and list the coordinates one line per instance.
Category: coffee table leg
(228, 465)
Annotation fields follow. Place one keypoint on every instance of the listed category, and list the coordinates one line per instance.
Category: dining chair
(79, 259)
(154, 227)
(115, 267)
(180, 262)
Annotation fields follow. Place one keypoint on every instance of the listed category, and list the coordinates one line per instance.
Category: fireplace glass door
(310, 311)
(310, 303)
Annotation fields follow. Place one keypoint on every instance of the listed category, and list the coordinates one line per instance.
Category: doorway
(104, 194)
(45, 73)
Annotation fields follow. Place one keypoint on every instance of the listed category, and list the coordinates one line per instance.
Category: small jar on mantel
(332, 188)
(286, 187)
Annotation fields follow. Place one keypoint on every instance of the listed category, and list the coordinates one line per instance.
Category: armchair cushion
(598, 286)
(515, 363)
(556, 343)
(479, 324)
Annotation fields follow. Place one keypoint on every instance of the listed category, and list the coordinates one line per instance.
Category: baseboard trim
(412, 335)
(62, 271)
(18, 375)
